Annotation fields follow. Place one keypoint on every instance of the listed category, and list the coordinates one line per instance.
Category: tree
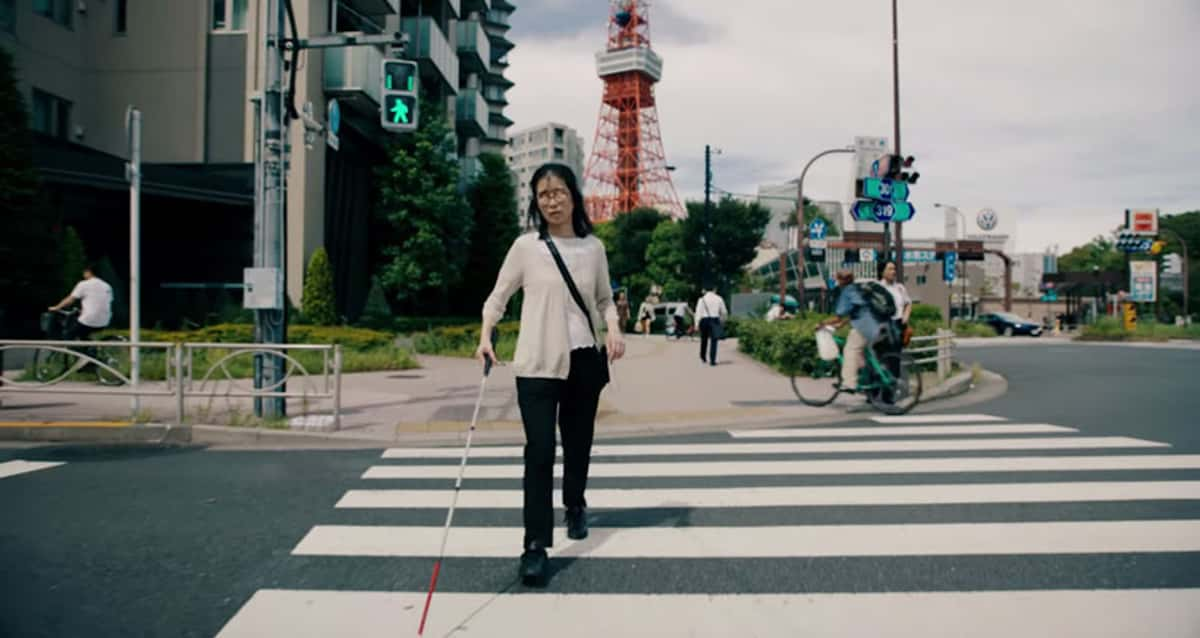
(29, 264)
(425, 229)
(1100, 252)
(376, 313)
(626, 238)
(666, 261)
(318, 300)
(493, 199)
(811, 212)
(720, 244)
(1187, 227)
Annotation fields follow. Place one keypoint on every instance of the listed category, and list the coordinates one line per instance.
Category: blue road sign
(950, 266)
(817, 229)
(872, 211)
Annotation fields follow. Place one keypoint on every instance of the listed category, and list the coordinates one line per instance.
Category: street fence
(189, 371)
(934, 349)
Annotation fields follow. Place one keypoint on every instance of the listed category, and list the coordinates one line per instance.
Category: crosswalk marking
(13, 468)
(815, 467)
(931, 539)
(1172, 613)
(957, 445)
(934, 430)
(1072, 492)
(938, 418)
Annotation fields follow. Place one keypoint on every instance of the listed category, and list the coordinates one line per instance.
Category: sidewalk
(659, 387)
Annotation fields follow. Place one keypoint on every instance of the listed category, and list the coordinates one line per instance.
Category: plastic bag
(826, 347)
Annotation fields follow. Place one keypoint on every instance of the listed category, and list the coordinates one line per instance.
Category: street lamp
(800, 222)
(962, 232)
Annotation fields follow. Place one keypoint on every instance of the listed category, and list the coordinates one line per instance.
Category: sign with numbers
(1143, 281)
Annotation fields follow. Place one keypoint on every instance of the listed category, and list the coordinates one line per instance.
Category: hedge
(349, 338)
(462, 340)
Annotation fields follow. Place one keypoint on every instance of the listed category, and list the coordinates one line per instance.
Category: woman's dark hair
(579, 218)
(882, 267)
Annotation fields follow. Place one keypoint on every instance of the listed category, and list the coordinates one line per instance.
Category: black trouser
(710, 334)
(573, 404)
(890, 340)
(81, 332)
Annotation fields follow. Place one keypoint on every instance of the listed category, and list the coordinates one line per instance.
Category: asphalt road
(194, 542)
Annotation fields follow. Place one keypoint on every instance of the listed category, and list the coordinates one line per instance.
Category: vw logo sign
(987, 219)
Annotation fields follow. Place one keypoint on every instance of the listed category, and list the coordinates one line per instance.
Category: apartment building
(530, 148)
(193, 67)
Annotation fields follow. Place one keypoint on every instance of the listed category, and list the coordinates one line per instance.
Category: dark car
(1008, 324)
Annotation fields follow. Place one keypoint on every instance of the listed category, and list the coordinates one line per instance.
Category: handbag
(600, 361)
(908, 333)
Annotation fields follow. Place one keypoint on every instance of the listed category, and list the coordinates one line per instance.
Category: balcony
(476, 5)
(497, 19)
(471, 113)
(353, 73)
(495, 94)
(474, 50)
(373, 7)
(428, 46)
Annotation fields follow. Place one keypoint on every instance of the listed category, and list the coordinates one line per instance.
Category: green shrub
(376, 313)
(461, 341)
(925, 312)
(789, 346)
(973, 329)
(350, 338)
(318, 303)
(410, 325)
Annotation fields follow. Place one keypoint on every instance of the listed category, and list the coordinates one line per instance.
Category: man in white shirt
(95, 298)
(710, 311)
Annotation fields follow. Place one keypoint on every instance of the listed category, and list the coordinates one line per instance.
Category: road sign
(866, 254)
(872, 211)
(333, 120)
(1142, 221)
(1143, 281)
(885, 190)
(867, 151)
(950, 266)
(919, 256)
(1133, 243)
(970, 250)
(817, 229)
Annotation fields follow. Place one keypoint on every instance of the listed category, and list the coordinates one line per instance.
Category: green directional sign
(884, 190)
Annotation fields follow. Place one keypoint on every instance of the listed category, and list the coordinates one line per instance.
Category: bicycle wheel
(115, 357)
(904, 391)
(817, 385)
(48, 365)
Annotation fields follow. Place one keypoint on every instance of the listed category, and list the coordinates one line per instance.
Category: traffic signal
(1157, 246)
(1171, 265)
(398, 111)
(900, 169)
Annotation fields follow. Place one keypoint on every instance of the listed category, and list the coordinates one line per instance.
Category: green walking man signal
(399, 79)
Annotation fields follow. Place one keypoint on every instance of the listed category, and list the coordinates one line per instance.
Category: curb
(125, 434)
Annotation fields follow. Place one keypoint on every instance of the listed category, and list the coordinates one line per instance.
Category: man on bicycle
(95, 297)
(865, 328)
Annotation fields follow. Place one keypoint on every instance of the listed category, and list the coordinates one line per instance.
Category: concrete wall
(226, 111)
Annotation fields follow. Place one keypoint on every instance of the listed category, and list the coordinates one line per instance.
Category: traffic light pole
(899, 260)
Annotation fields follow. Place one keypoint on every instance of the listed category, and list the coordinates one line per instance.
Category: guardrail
(186, 376)
(940, 351)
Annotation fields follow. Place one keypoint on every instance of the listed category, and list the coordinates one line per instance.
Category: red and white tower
(628, 168)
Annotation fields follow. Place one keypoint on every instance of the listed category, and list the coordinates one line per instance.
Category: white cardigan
(543, 345)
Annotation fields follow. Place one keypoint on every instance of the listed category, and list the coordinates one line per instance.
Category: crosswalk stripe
(931, 430)
(816, 467)
(13, 468)
(1072, 492)
(943, 539)
(902, 445)
(938, 418)
(1172, 613)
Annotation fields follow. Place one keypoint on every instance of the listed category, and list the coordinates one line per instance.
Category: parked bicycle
(891, 383)
(50, 364)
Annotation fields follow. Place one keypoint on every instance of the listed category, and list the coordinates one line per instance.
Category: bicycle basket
(826, 347)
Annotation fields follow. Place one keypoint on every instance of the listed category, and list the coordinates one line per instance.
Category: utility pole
(133, 128)
(707, 214)
(896, 116)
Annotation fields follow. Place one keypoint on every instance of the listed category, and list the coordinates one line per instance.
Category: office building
(530, 148)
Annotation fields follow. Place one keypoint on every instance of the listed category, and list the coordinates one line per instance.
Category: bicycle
(818, 383)
(51, 364)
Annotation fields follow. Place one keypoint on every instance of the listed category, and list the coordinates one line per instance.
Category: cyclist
(95, 296)
(865, 327)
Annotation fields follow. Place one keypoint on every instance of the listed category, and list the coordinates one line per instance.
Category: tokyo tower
(628, 168)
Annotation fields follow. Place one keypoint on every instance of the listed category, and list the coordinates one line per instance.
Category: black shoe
(577, 527)
(533, 566)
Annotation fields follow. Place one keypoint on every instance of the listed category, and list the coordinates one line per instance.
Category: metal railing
(940, 350)
(187, 374)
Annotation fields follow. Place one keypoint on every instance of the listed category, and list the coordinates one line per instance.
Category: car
(1008, 324)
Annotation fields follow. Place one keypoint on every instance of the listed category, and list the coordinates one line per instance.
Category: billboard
(1143, 281)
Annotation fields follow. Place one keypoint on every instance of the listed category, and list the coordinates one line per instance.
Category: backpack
(881, 302)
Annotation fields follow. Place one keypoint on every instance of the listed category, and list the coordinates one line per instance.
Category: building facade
(530, 148)
(193, 68)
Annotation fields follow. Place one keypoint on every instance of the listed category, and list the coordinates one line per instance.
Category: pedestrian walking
(623, 308)
(710, 312)
(562, 356)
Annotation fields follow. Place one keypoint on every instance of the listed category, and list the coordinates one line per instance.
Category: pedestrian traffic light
(398, 110)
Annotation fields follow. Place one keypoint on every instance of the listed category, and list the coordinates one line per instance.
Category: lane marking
(681, 449)
(13, 468)
(930, 430)
(618, 499)
(951, 539)
(810, 468)
(1165, 613)
(938, 418)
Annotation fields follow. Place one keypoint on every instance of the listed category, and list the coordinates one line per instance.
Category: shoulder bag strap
(566, 275)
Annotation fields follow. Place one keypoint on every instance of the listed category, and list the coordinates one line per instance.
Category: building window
(120, 16)
(921, 279)
(229, 15)
(51, 115)
(57, 10)
(8, 16)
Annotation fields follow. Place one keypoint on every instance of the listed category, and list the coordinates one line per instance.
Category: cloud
(1057, 114)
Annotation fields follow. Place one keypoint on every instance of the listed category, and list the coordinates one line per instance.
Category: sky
(1056, 114)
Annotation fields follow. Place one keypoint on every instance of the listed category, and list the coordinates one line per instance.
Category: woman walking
(559, 363)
